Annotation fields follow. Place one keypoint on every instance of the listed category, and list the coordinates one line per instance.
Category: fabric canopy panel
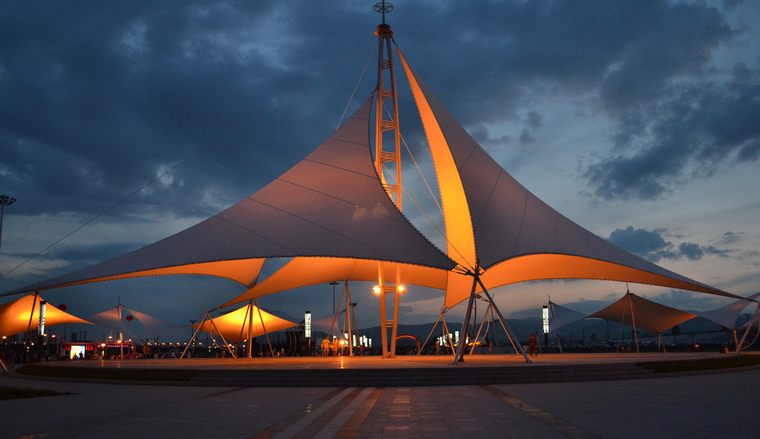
(562, 316)
(726, 316)
(15, 316)
(329, 324)
(493, 219)
(332, 206)
(233, 326)
(135, 264)
(301, 272)
(153, 326)
(329, 204)
(113, 319)
(641, 313)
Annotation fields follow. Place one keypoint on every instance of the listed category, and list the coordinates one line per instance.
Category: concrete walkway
(709, 406)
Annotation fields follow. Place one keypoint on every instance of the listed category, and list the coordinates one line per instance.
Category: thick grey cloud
(98, 99)
(651, 246)
(686, 133)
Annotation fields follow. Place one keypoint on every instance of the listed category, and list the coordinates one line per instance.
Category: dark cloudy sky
(639, 120)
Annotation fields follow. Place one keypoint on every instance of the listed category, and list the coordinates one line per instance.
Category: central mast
(389, 160)
(383, 125)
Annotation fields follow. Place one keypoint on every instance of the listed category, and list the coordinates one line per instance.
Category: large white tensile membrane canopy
(331, 213)
(489, 218)
(330, 204)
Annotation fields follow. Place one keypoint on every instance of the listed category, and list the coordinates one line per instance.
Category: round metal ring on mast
(383, 8)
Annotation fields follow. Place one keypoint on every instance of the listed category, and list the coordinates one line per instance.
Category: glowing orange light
(376, 289)
(401, 289)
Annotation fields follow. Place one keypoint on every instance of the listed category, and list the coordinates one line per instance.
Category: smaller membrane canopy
(726, 316)
(562, 316)
(638, 312)
(233, 326)
(17, 316)
(113, 319)
(329, 324)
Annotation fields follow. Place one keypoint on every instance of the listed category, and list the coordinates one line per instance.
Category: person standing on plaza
(325, 347)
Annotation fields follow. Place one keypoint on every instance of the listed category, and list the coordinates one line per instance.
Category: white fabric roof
(234, 325)
(647, 315)
(15, 315)
(326, 323)
(331, 209)
(726, 316)
(112, 320)
(309, 271)
(153, 326)
(489, 216)
(562, 316)
(330, 204)
(493, 219)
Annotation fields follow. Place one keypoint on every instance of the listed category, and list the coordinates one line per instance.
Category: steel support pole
(749, 326)
(466, 322)
(347, 319)
(264, 328)
(394, 329)
(504, 324)
(633, 320)
(250, 328)
(195, 334)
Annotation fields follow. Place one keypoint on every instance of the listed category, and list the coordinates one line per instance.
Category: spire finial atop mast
(383, 7)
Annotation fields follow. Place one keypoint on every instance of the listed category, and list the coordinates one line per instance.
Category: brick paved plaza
(706, 405)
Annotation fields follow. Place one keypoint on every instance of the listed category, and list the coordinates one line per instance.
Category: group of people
(335, 347)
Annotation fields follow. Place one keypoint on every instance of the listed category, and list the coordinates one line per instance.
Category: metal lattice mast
(383, 125)
(387, 157)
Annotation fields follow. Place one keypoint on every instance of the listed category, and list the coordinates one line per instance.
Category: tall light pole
(333, 285)
(4, 201)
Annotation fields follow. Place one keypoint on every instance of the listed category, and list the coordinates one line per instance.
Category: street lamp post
(4, 201)
(333, 285)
